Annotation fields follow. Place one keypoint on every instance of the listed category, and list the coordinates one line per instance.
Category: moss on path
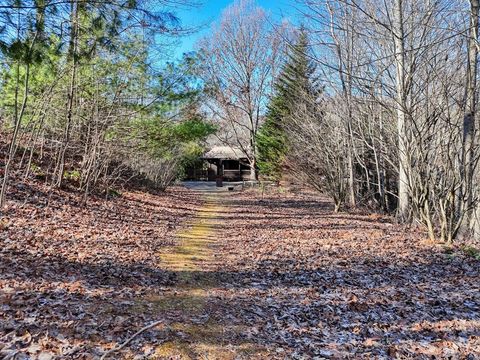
(195, 335)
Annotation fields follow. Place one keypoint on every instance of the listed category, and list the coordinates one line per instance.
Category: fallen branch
(120, 347)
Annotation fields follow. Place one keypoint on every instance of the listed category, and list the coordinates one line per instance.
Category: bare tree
(398, 34)
(317, 141)
(467, 161)
(396, 73)
(238, 64)
(28, 38)
(343, 41)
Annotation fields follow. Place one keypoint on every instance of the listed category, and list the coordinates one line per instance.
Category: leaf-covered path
(233, 275)
(197, 334)
(292, 279)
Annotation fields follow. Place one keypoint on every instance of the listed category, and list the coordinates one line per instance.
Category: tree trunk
(253, 170)
(468, 142)
(253, 160)
(70, 95)
(345, 74)
(398, 34)
(351, 177)
(13, 143)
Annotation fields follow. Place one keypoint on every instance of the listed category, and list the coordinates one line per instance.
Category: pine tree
(296, 81)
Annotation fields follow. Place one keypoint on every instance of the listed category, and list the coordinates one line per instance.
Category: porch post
(220, 173)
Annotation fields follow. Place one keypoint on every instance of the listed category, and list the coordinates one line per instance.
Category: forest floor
(232, 275)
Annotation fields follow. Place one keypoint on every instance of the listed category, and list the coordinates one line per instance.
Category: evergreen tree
(296, 81)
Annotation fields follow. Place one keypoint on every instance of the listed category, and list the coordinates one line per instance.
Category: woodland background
(371, 103)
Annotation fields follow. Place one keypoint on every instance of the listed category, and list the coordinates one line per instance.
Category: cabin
(225, 162)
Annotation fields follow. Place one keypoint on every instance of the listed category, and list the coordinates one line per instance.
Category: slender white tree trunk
(399, 37)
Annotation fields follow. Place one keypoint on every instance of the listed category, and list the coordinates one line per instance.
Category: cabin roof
(225, 153)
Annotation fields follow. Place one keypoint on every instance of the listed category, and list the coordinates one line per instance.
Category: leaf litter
(287, 278)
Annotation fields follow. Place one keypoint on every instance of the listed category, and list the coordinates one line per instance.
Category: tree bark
(468, 141)
(399, 38)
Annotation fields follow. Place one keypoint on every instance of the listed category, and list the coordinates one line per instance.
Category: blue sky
(211, 11)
